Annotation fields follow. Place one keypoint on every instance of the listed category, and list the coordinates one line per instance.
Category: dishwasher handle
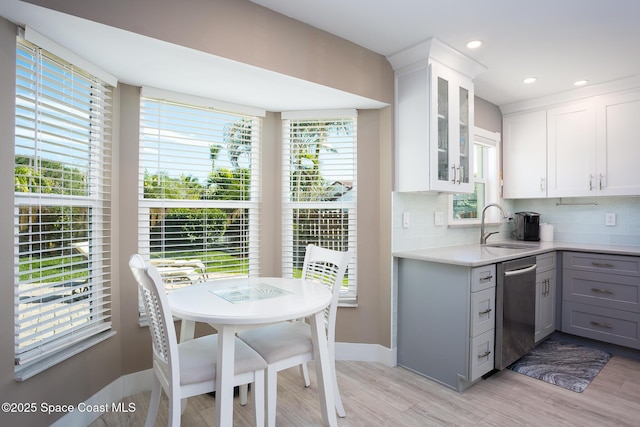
(520, 270)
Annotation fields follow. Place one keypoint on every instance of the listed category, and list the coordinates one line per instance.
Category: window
(198, 189)
(62, 210)
(467, 208)
(319, 188)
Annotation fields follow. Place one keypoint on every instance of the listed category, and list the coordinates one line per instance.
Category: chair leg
(336, 393)
(258, 397)
(272, 393)
(244, 389)
(175, 410)
(305, 374)
(154, 403)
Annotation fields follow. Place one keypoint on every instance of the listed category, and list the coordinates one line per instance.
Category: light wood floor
(376, 395)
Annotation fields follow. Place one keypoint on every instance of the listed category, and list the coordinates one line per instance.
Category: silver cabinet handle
(601, 325)
(520, 271)
(485, 279)
(601, 183)
(602, 264)
(454, 173)
(541, 184)
(590, 182)
(485, 354)
(487, 311)
(602, 291)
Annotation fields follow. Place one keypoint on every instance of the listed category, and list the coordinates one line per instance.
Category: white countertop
(474, 255)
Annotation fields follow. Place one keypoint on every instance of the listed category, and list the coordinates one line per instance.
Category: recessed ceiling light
(474, 44)
(530, 80)
(581, 82)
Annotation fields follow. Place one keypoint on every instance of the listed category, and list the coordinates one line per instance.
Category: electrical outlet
(405, 219)
(438, 218)
(610, 219)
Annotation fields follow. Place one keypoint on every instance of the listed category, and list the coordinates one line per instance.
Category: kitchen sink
(509, 246)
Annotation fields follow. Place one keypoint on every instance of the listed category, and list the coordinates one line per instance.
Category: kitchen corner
(457, 304)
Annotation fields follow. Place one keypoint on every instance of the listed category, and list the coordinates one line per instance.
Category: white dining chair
(187, 369)
(288, 344)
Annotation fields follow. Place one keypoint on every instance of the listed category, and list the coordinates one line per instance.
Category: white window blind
(198, 191)
(62, 209)
(319, 188)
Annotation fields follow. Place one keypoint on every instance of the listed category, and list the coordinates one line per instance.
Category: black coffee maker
(527, 226)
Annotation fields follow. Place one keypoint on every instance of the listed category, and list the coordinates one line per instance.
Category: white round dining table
(232, 304)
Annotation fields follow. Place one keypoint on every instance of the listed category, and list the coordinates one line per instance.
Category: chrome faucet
(484, 236)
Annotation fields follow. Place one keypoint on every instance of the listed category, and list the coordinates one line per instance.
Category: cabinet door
(571, 157)
(545, 304)
(525, 155)
(451, 129)
(483, 304)
(618, 144)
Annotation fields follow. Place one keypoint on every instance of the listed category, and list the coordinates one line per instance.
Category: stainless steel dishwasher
(515, 305)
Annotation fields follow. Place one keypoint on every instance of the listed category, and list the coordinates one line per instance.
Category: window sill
(25, 372)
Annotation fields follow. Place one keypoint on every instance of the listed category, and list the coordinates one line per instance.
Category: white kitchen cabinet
(451, 125)
(577, 149)
(434, 122)
(571, 144)
(618, 148)
(545, 295)
(524, 154)
(446, 321)
(434, 118)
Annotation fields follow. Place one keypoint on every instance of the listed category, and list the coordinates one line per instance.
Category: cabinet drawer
(604, 263)
(545, 262)
(482, 355)
(483, 311)
(604, 324)
(601, 289)
(483, 277)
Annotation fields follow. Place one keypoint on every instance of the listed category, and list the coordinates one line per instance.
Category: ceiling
(558, 42)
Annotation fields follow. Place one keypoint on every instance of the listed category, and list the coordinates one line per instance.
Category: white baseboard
(106, 400)
(366, 353)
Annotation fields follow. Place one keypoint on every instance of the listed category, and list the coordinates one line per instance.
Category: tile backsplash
(574, 220)
(583, 220)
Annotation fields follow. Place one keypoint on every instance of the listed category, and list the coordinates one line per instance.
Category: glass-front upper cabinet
(452, 123)
(434, 118)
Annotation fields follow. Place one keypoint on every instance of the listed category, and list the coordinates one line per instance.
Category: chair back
(156, 304)
(328, 267)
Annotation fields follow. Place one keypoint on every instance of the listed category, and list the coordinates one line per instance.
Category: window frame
(208, 108)
(349, 294)
(490, 141)
(72, 128)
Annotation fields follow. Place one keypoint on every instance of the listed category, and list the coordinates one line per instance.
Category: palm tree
(309, 140)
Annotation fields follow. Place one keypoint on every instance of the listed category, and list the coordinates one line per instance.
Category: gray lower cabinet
(601, 297)
(446, 321)
(545, 295)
